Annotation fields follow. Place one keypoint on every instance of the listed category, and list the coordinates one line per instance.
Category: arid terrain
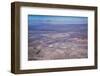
(48, 45)
(53, 37)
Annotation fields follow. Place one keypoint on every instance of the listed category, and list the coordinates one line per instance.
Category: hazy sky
(35, 19)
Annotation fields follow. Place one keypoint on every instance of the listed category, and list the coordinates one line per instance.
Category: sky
(37, 19)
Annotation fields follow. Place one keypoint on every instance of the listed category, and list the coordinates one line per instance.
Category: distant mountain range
(58, 27)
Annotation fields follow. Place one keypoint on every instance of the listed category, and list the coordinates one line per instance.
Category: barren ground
(48, 45)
